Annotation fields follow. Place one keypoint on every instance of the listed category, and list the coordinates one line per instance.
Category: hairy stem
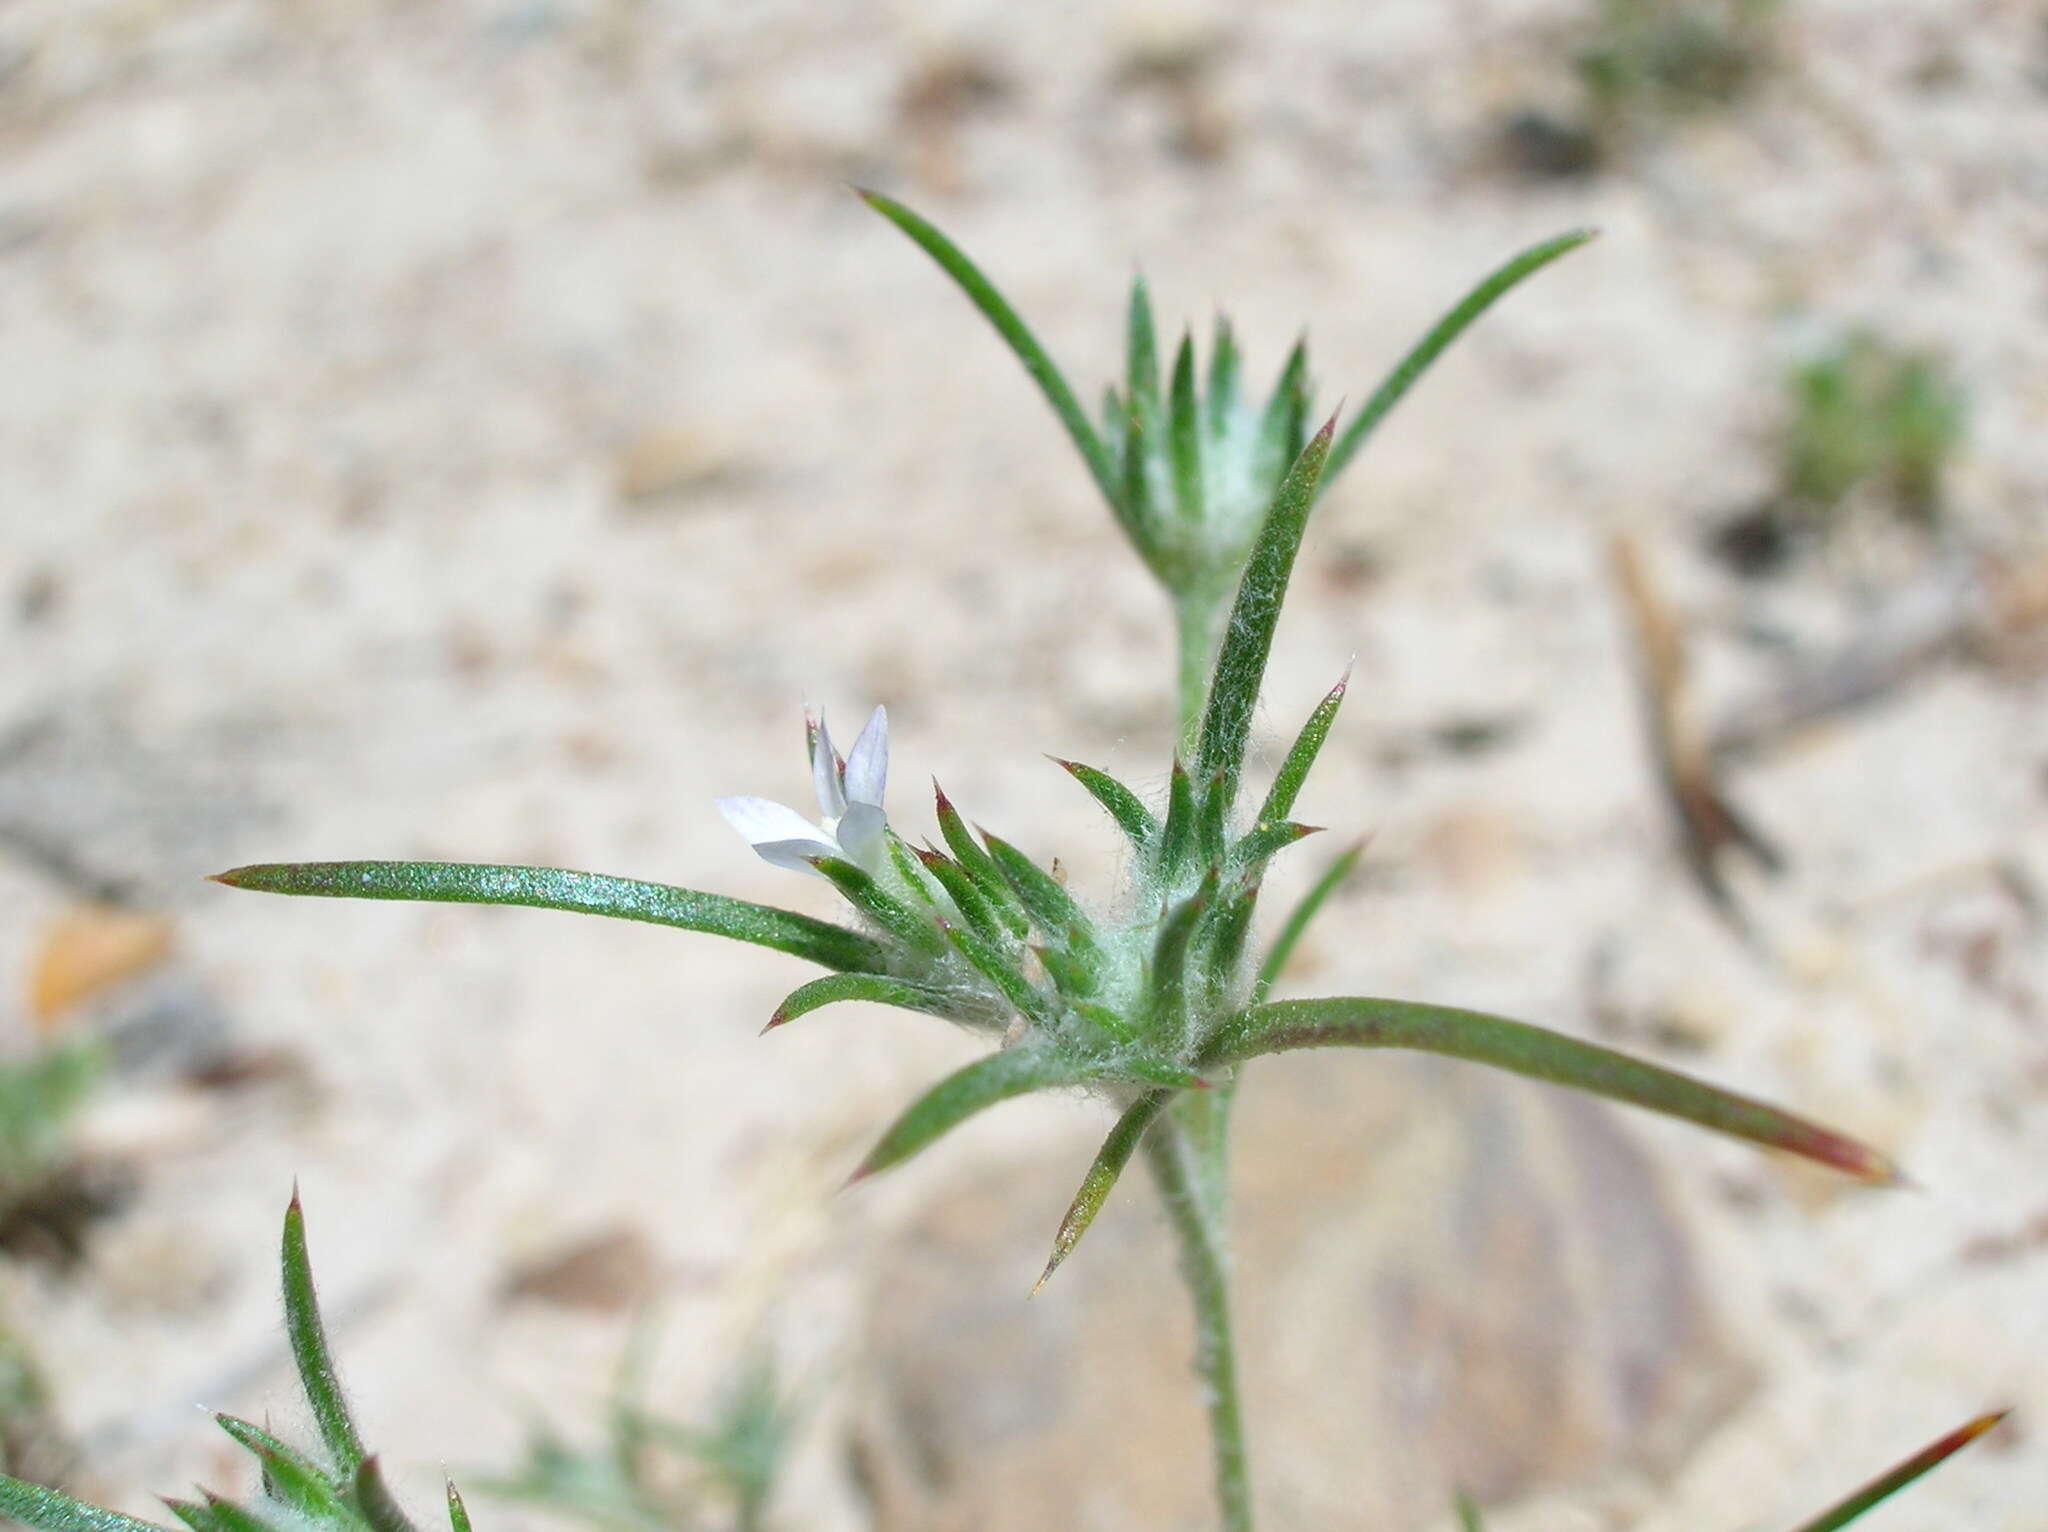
(1185, 1153)
(1195, 624)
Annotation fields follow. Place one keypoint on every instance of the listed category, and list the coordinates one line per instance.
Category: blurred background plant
(652, 1473)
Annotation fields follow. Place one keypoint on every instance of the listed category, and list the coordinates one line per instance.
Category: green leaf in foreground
(980, 1085)
(1442, 333)
(1886, 1485)
(1123, 805)
(308, 1339)
(1241, 663)
(51, 1510)
(1302, 755)
(584, 893)
(1109, 1164)
(874, 988)
(1540, 1054)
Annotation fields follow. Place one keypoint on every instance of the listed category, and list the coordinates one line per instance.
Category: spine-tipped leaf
(458, 1513)
(1109, 1164)
(873, 988)
(1015, 333)
(307, 1336)
(1442, 333)
(1889, 1484)
(1241, 663)
(1051, 908)
(1302, 755)
(587, 893)
(1123, 805)
(994, 966)
(1262, 840)
(289, 1475)
(975, 861)
(965, 1092)
(914, 928)
(973, 905)
(1540, 1054)
(1177, 840)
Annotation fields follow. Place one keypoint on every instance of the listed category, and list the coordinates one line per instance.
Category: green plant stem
(1194, 616)
(1185, 1152)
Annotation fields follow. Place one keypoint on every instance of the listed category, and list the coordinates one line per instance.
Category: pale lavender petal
(860, 832)
(825, 773)
(867, 769)
(761, 820)
(796, 854)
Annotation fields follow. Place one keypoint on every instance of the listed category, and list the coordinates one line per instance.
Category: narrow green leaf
(1074, 979)
(1886, 1485)
(1135, 461)
(375, 1502)
(586, 893)
(977, 863)
(1298, 919)
(968, 899)
(874, 988)
(1441, 334)
(1278, 425)
(1015, 333)
(994, 966)
(1123, 805)
(1355, 1022)
(915, 929)
(1263, 839)
(975, 1088)
(51, 1510)
(1241, 665)
(1185, 434)
(1177, 841)
(907, 867)
(1166, 993)
(458, 1513)
(1049, 905)
(1109, 1163)
(1223, 369)
(1301, 755)
(308, 1338)
(1220, 943)
(1142, 360)
(289, 1475)
(1102, 1016)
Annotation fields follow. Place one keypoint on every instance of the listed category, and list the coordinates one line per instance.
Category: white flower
(849, 803)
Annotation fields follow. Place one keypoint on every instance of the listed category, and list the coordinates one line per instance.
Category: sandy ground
(476, 430)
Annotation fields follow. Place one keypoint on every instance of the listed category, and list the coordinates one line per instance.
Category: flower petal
(826, 772)
(797, 855)
(763, 821)
(867, 769)
(860, 833)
